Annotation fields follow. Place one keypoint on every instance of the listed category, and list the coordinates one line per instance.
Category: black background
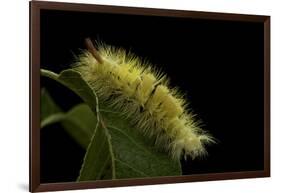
(219, 64)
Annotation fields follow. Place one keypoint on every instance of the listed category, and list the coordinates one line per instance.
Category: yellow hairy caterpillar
(129, 85)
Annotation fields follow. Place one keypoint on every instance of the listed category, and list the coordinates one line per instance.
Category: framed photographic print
(123, 96)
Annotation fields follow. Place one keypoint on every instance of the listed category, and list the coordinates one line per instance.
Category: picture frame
(262, 83)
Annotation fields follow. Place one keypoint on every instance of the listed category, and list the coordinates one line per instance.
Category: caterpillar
(128, 84)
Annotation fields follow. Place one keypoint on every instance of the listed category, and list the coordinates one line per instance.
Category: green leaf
(74, 81)
(98, 149)
(116, 149)
(48, 106)
(80, 122)
(131, 154)
(79, 130)
(50, 111)
(51, 119)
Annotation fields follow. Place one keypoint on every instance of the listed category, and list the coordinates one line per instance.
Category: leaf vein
(136, 170)
(132, 140)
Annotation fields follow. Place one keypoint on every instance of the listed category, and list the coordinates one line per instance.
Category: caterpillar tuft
(126, 83)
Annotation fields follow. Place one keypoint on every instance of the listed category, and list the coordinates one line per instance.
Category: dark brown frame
(34, 177)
